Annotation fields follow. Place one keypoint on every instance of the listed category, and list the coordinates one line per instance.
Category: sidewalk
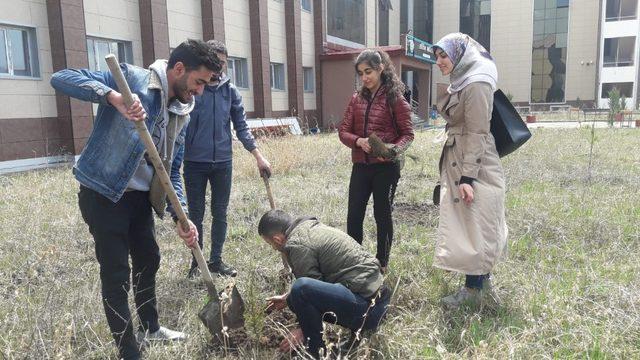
(578, 124)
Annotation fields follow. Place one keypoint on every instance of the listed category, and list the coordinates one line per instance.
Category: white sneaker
(163, 334)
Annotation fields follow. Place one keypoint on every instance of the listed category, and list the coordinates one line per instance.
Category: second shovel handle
(267, 185)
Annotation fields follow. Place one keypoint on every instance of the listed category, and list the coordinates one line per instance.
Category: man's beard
(180, 90)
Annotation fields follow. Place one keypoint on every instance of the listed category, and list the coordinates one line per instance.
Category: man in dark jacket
(336, 279)
(208, 158)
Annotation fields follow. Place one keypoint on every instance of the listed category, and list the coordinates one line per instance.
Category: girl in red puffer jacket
(377, 108)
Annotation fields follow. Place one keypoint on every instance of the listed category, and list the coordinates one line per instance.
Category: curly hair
(388, 78)
(193, 54)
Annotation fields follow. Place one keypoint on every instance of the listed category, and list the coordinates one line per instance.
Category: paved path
(576, 124)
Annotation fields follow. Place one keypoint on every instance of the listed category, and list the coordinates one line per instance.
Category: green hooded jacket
(323, 253)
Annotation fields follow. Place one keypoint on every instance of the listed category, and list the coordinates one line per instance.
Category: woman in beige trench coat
(472, 230)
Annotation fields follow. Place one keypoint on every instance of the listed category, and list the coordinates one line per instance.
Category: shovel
(225, 309)
(285, 272)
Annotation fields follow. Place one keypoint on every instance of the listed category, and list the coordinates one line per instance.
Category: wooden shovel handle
(272, 203)
(143, 132)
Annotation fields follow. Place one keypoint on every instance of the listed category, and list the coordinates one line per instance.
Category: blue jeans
(314, 301)
(196, 177)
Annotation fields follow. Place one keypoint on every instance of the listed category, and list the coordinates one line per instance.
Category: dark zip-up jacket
(208, 136)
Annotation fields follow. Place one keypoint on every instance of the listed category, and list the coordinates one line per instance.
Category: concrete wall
(614, 29)
(582, 48)
(446, 19)
(28, 97)
(185, 21)
(511, 46)
(278, 51)
(308, 53)
(115, 19)
(394, 23)
(238, 40)
(371, 25)
(337, 89)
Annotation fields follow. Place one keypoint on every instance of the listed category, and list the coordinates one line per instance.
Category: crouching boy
(336, 279)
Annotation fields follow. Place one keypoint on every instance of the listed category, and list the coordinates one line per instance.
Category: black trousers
(380, 180)
(120, 230)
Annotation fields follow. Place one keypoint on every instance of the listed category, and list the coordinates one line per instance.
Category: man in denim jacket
(118, 184)
(208, 158)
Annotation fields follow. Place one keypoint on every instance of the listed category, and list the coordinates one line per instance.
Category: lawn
(569, 286)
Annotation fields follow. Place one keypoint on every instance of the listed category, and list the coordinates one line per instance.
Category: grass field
(569, 286)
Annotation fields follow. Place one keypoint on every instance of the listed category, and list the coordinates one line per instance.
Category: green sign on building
(420, 49)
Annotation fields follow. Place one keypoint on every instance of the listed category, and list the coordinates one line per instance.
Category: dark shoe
(222, 269)
(194, 272)
(349, 347)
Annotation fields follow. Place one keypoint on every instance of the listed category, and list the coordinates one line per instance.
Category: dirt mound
(416, 213)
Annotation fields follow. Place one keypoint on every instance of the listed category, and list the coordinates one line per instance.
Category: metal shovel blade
(225, 312)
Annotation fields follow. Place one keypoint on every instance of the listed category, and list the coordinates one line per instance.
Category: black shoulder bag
(507, 127)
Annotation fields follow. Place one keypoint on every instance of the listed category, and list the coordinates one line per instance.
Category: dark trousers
(196, 177)
(381, 180)
(121, 230)
(475, 281)
(314, 301)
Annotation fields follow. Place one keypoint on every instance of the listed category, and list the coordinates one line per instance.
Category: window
(97, 49)
(549, 53)
(475, 20)
(422, 23)
(277, 76)
(619, 51)
(18, 52)
(346, 22)
(306, 5)
(625, 88)
(238, 72)
(621, 10)
(309, 83)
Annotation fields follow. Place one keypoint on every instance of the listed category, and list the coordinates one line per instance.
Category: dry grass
(569, 285)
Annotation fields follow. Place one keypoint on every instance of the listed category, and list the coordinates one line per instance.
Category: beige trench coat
(471, 238)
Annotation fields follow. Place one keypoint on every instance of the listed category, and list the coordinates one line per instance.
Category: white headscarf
(471, 62)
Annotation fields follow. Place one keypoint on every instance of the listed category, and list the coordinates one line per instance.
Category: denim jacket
(114, 149)
(208, 137)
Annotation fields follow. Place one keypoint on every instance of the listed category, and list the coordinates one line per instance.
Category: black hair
(193, 54)
(388, 77)
(274, 222)
(218, 47)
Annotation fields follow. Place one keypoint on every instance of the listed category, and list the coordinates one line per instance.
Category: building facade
(549, 53)
(619, 55)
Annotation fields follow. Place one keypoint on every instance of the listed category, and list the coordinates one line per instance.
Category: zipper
(366, 120)
(214, 125)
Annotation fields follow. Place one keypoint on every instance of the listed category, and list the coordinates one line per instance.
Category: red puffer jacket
(362, 118)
